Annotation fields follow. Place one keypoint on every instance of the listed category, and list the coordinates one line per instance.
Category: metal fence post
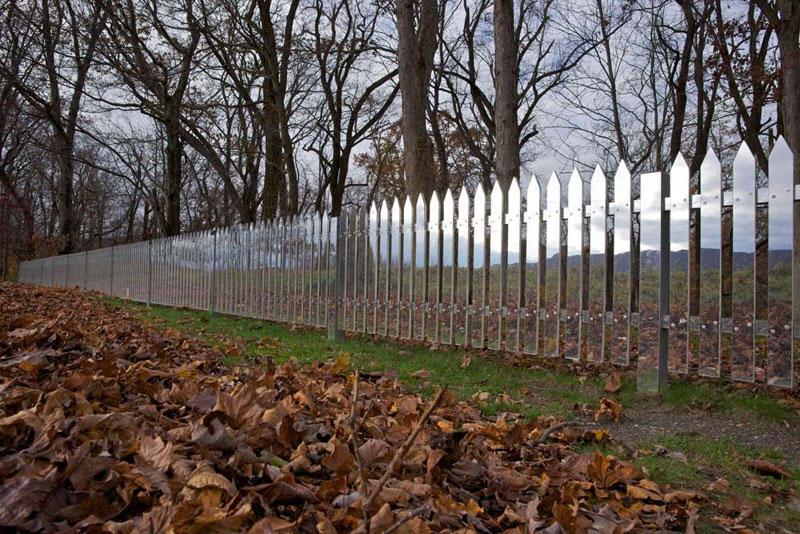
(85, 268)
(149, 272)
(334, 332)
(213, 301)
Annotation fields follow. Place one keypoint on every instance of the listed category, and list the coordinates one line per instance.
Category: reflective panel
(395, 280)
(533, 265)
(357, 272)
(744, 247)
(780, 363)
(710, 276)
(297, 240)
(373, 260)
(480, 275)
(365, 271)
(552, 267)
(384, 271)
(463, 282)
(572, 336)
(302, 236)
(407, 267)
(679, 266)
(449, 267)
(621, 275)
(346, 284)
(516, 268)
(496, 269)
(596, 307)
(325, 268)
(433, 310)
(650, 265)
(419, 269)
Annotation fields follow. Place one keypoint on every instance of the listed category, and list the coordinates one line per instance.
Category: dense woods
(125, 119)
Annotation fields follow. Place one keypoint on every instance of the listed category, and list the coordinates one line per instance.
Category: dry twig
(560, 426)
(396, 460)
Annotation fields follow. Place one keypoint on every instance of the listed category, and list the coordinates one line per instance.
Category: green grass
(561, 390)
(531, 391)
(718, 398)
(709, 459)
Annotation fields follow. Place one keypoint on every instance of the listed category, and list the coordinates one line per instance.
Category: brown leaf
(609, 409)
(374, 450)
(156, 452)
(613, 382)
(765, 467)
(204, 479)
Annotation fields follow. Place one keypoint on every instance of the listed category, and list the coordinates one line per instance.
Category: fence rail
(664, 272)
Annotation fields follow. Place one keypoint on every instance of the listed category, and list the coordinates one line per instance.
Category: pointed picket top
(781, 197)
(679, 184)
(622, 186)
(373, 210)
(514, 196)
(710, 174)
(420, 212)
(744, 165)
(448, 206)
(395, 210)
(781, 147)
(744, 176)
(553, 193)
(533, 197)
(408, 211)
(780, 161)
(523, 182)
(434, 209)
(710, 163)
(479, 203)
(597, 189)
(463, 203)
(575, 191)
(496, 196)
(384, 211)
(679, 162)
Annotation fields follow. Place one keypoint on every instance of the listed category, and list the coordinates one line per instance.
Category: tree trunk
(66, 215)
(416, 48)
(274, 161)
(505, 109)
(789, 43)
(174, 157)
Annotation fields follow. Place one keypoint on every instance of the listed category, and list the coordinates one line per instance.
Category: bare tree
(548, 41)
(417, 29)
(354, 97)
(59, 39)
(784, 17)
(155, 66)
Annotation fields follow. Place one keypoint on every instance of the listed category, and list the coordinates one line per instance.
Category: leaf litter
(108, 425)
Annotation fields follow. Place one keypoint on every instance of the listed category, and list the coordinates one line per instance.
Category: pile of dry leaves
(108, 425)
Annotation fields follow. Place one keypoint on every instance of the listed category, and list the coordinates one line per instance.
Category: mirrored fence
(691, 274)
